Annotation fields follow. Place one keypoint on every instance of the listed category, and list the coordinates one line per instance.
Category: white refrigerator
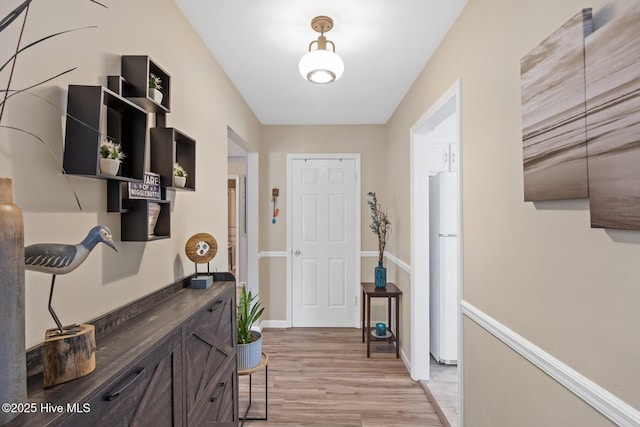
(443, 267)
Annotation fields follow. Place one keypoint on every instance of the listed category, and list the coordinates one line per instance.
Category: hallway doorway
(242, 191)
(436, 152)
(237, 236)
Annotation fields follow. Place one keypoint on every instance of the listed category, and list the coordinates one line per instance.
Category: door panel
(337, 283)
(310, 216)
(323, 227)
(310, 291)
(337, 218)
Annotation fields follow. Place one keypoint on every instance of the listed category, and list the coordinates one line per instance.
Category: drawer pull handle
(215, 304)
(117, 393)
(220, 384)
(213, 399)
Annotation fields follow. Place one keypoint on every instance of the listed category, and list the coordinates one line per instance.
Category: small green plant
(249, 311)
(154, 81)
(110, 150)
(179, 170)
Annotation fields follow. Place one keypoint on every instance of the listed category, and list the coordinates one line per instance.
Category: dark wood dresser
(164, 360)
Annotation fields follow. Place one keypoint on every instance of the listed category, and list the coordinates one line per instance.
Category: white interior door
(323, 242)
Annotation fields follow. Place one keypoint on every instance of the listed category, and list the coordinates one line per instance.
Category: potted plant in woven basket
(249, 341)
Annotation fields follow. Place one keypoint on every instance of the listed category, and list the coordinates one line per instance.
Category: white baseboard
(597, 397)
(405, 360)
(279, 324)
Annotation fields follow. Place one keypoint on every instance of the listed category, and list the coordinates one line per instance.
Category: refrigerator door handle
(447, 235)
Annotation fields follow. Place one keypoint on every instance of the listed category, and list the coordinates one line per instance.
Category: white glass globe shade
(321, 66)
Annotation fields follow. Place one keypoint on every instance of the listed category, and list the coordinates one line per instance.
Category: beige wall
(237, 166)
(532, 398)
(203, 104)
(276, 143)
(537, 268)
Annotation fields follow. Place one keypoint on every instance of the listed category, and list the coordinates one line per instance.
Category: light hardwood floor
(322, 377)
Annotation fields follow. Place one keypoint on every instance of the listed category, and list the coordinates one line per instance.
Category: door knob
(297, 252)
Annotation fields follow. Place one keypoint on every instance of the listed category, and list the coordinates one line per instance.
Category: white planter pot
(156, 95)
(179, 181)
(250, 355)
(109, 166)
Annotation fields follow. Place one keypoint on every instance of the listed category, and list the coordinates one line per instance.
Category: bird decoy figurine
(57, 258)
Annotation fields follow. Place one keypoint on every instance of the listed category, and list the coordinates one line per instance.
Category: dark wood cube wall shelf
(135, 71)
(121, 113)
(169, 145)
(135, 221)
(95, 113)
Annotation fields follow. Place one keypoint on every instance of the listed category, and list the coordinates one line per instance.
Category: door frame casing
(236, 250)
(420, 351)
(252, 175)
(357, 237)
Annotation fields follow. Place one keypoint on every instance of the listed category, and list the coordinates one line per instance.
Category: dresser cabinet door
(218, 405)
(210, 364)
(147, 394)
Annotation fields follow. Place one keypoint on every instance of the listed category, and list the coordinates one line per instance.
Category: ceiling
(384, 45)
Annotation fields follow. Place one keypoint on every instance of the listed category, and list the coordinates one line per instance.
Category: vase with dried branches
(381, 227)
(12, 305)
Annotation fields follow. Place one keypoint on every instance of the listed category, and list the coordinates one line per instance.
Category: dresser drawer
(148, 393)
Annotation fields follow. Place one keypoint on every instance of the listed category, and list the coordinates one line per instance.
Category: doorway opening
(436, 244)
(237, 236)
(242, 195)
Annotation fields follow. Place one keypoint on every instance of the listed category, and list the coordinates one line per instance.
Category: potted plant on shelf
(154, 88)
(110, 157)
(179, 175)
(381, 226)
(249, 341)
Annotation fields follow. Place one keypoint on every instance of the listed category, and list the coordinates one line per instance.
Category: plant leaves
(247, 313)
(98, 3)
(15, 13)
(16, 92)
(40, 41)
(7, 20)
(52, 153)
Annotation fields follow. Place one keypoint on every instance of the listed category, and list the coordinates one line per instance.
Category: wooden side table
(369, 291)
(264, 363)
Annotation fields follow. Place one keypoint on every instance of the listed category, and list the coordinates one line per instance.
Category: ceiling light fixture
(320, 65)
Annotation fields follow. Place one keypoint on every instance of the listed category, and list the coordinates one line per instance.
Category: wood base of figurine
(69, 355)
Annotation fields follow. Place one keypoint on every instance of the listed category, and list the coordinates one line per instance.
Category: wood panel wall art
(553, 114)
(613, 122)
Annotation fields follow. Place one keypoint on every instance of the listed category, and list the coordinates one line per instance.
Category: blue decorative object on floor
(381, 276)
